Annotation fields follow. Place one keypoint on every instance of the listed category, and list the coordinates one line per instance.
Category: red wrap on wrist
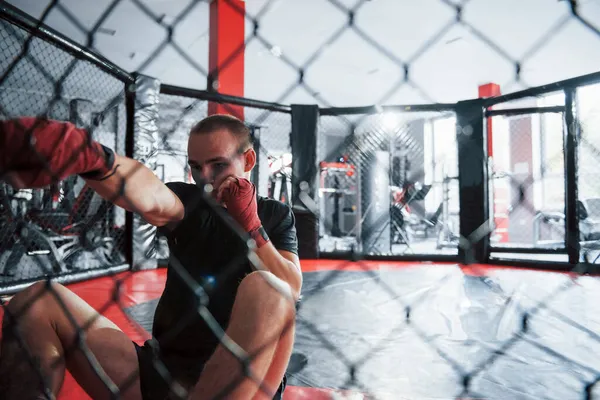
(260, 237)
(40, 152)
(240, 198)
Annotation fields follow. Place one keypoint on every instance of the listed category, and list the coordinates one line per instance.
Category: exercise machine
(549, 227)
(43, 222)
(448, 234)
(280, 178)
(339, 207)
(410, 221)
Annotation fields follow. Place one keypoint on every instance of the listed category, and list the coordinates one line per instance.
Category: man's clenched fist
(36, 152)
(239, 195)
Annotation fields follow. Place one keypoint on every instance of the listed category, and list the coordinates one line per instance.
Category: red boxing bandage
(39, 152)
(240, 198)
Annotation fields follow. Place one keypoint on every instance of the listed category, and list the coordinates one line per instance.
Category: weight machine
(552, 223)
(448, 235)
(66, 221)
(44, 222)
(339, 206)
(280, 178)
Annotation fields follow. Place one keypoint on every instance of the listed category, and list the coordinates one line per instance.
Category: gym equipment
(547, 224)
(47, 228)
(20, 236)
(589, 218)
(280, 179)
(554, 223)
(400, 167)
(339, 207)
(307, 230)
(448, 235)
(408, 223)
(377, 202)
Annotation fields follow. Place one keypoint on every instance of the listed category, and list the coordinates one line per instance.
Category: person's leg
(262, 324)
(279, 365)
(50, 337)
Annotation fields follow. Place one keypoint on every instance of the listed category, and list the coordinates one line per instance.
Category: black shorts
(154, 386)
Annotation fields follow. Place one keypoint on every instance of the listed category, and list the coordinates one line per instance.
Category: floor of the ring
(416, 331)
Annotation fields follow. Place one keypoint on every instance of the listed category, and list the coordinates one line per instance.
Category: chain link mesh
(588, 182)
(419, 193)
(401, 198)
(63, 229)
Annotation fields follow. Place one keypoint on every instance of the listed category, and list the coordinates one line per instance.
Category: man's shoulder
(280, 223)
(187, 193)
(272, 205)
(272, 212)
(182, 188)
(191, 196)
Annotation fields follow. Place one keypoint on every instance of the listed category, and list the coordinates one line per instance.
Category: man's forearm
(281, 267)
(134, 187)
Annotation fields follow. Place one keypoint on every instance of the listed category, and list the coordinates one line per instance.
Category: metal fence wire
(63, 228)
(426, 153)
(179, 113)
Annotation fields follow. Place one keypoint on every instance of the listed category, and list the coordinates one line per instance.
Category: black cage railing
(180, 108)
(460, 182)
(338, 137)
(563, 228)
(65, 230)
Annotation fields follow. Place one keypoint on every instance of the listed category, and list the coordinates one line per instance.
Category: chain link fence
(403, 198)
(64, 230)
(271, 137)
(588, 181)
(529, 179)
(406, 180)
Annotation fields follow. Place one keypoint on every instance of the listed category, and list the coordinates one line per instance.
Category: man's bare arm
(284, 265)
(134, 187)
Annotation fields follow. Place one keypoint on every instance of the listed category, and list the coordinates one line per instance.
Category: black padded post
(303, 140)
(571, 143)
(475, 224)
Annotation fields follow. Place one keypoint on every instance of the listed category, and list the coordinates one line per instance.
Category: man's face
(215, 156)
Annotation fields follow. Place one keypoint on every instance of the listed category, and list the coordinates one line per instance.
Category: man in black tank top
(217, 309)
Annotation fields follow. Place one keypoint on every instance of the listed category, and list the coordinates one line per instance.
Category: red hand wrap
(240, 198)
(40, 152)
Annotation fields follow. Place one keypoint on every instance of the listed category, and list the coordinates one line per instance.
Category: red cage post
(501, 193)
(226, 54)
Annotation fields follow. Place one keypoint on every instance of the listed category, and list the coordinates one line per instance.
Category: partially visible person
(253, 304)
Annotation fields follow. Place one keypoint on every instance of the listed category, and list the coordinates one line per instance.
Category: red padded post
(226, 53)
(489, 90)
(501, 193)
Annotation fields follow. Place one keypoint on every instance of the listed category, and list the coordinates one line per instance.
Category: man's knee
(32, 302)
(267, 292)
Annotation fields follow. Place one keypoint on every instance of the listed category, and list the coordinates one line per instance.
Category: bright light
(391, 121)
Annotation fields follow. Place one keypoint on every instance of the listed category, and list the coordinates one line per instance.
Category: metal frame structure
(471, 118)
